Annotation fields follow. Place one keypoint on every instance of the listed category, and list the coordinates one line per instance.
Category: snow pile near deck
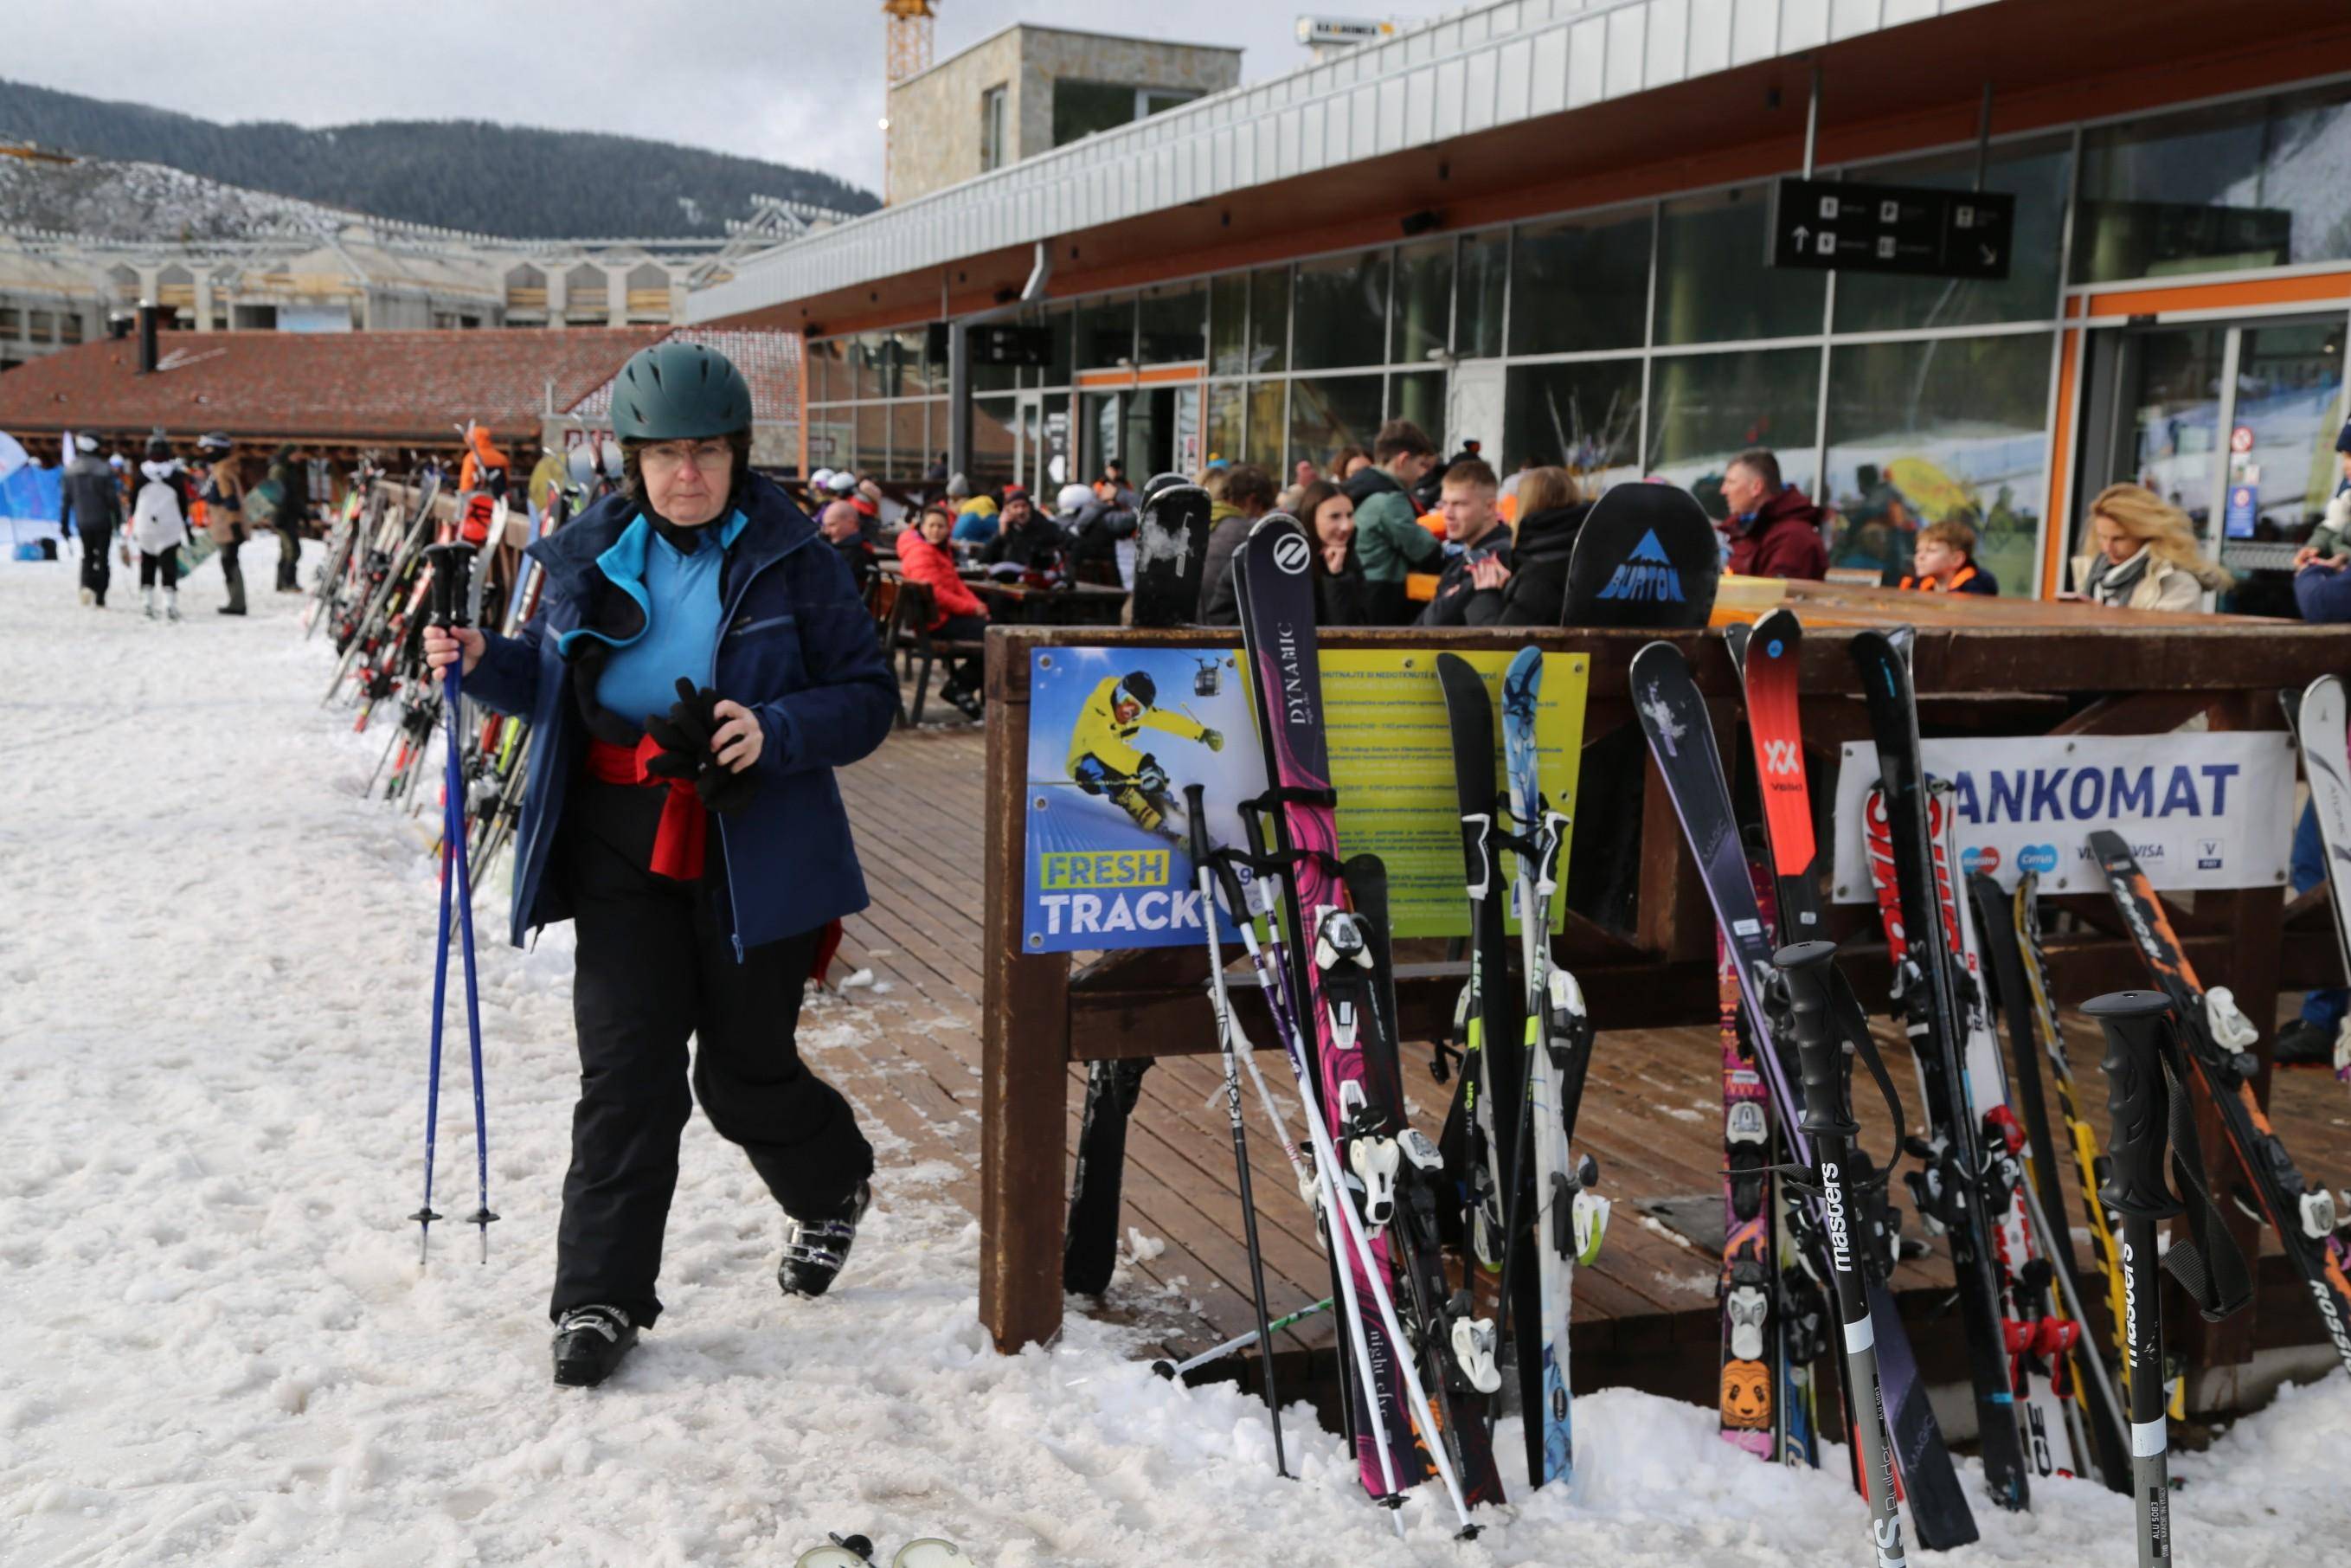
(220, 1348)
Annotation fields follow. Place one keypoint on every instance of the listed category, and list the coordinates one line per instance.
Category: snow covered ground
(219, 1347)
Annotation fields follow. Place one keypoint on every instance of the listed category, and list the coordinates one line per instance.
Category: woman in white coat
(2143, 554)
(160, 508)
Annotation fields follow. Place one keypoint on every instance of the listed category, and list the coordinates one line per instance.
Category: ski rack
(1042, 1013)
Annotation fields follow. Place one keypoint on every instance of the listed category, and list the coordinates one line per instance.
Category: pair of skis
(1532, 1211)
(1674, 718)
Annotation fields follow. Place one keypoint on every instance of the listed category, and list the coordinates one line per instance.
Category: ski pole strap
(1281, 795)
(682, 837)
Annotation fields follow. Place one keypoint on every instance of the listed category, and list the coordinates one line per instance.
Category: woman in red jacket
(957, 615)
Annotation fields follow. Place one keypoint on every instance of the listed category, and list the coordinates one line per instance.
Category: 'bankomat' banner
(2202, 809)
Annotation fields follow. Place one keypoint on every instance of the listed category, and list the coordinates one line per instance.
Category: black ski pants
(655, 963)
(95, 572)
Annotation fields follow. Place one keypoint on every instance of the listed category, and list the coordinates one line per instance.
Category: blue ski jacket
(796, 646)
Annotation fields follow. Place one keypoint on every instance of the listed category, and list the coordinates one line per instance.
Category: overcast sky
(801, 85)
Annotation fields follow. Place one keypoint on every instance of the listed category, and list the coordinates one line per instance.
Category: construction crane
(33, 152)
(908, 53)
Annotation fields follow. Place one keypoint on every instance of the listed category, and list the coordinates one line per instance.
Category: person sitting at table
(841, 527)
(1098, 525)
(1944, 561)
(956, 613)
(1026, 540)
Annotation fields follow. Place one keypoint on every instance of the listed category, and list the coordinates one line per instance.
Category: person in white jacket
(159, 526)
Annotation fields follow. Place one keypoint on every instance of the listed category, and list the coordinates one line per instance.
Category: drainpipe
(1040, 273)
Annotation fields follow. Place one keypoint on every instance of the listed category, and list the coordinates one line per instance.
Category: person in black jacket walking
(292, 483)
(90, 504)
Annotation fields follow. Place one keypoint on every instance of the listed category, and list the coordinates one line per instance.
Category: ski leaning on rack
(1674, 718)
(1950, 1191)
(1352, 1100)
(2217, 1038)
(1562, 1218)
(2319, 725)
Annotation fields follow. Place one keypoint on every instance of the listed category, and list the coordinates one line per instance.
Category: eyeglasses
(856, 1551)
(671, 455)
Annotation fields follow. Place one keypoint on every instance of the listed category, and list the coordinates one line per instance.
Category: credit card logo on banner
(1647, 575)
(2037, 858)
(1984, 858)
(2207, 854)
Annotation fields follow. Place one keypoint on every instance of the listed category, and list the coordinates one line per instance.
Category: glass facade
(1652, 338)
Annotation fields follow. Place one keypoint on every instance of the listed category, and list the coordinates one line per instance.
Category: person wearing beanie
(89, 504)
(160, 508)
(223, 498)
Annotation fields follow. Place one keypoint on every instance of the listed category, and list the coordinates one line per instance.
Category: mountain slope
(462, 174)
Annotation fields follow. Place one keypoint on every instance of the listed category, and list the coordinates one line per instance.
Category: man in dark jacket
(1107, 517)
(842, 529)
(1775, 530)
(1028, 539)
(90, 503)
(293, 482)
(1248, 490)
(1477, 545)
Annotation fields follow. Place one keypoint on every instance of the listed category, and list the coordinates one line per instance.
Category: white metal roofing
(1484, 67)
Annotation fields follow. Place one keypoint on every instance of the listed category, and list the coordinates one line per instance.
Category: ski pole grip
(1819, 1059)
(451, 567)
(1195, 810)
(2133, 1022)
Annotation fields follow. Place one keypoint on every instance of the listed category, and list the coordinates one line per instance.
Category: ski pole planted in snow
(1205, 870)
(2140, 1098)
(451, 565)
(1828, 1123)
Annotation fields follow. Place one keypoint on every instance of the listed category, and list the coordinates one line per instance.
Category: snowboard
(1646, 556)
(2319, 723)
(1171, 545)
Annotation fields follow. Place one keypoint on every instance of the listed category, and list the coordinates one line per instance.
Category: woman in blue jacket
(700, 666)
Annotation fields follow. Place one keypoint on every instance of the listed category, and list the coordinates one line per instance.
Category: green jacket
(1389, 539)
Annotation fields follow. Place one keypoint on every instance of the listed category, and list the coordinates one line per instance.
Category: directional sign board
(1840, 226)
(1002, 344)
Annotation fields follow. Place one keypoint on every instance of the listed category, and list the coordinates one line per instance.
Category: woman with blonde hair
(2143, 554)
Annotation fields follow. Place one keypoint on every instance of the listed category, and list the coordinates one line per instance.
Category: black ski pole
(1829, 1126)
(2133, 1022)
(1205, 870)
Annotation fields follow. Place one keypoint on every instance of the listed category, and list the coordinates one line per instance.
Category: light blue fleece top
(679, 594)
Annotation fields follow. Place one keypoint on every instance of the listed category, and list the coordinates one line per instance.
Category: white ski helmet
(820, 478)
(1071, 497)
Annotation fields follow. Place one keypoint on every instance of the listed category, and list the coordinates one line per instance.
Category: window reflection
(1705, 409)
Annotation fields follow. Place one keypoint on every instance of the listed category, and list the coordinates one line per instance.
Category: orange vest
(1960, 579)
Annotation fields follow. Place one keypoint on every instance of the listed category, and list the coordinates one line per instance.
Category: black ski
(1090, 1251)
(1950, 1190)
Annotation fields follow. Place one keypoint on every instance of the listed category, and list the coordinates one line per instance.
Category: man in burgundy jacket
(1775, 530)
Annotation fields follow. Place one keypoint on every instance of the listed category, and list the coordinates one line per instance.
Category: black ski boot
(590, 1343)
(815, 1249)
(2303, 1043)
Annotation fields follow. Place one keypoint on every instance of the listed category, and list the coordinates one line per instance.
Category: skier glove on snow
(687, 753)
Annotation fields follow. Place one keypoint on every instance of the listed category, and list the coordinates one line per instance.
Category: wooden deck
(1644, 1313)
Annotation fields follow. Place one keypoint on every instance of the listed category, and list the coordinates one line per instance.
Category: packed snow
(220, 1348)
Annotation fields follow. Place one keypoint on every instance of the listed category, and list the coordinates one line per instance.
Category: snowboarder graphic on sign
(1105, 759)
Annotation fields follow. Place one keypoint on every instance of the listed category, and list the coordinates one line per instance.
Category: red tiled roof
(326, 386)
(771, 361)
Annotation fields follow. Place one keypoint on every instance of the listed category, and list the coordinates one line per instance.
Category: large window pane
(1419, 396)
(1083, 108)
(1712, 285)
(1064, 324)
(1586, 417)
(2035, 173)
(1485, 268)
(1173, 323)
(1705, 409)
(910, 357)
(1327, 413)
(1343, 312)
(1423, 301)
(1105, 332)
(2258, 183)
(827, 379)
(910, 444)
(1927, 432)
(1228, 324)
(874, 438)
(991, 443)
(1269, 326)
(1581, 283)
(1268, 429)
(832, 438)
(1224, 423)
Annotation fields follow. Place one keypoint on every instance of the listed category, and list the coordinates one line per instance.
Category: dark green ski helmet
(679, 391)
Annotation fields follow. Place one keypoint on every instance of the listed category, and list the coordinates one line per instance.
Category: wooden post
(1024, 1049)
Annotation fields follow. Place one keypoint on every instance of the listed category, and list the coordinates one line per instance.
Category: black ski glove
(684, 739)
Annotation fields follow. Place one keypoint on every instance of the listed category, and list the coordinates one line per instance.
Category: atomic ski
(1950, 1192)
(1564, 1217)
(2218, 1040)
(1674, 718)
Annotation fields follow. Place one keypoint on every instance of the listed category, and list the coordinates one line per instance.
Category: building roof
(1485, 69)
(771, 361)
(356, 387)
